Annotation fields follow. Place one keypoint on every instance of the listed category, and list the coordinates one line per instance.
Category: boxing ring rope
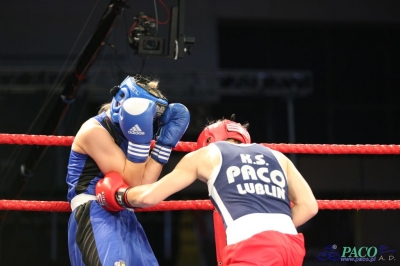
(176, 205)
(203, 205)
(22, 139)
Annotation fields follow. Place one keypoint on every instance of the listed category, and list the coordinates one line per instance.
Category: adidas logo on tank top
(136, 130)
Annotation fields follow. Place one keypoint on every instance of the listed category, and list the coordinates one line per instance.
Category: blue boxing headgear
(130, 88)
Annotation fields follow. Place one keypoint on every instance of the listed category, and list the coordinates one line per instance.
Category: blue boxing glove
(136, 121)
(173, 124)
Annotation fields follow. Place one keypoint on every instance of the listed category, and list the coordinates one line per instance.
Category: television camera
(144, 40)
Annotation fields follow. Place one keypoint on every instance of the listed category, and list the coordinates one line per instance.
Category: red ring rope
(206, 205)
(22, 139)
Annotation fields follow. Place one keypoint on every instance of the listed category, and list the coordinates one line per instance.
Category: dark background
(348, 48)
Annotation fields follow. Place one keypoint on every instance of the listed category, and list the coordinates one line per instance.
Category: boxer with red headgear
(252, 187)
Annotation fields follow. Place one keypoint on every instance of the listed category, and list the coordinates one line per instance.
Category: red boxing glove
(111, 192)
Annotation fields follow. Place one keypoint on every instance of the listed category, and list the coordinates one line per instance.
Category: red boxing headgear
(225, 129)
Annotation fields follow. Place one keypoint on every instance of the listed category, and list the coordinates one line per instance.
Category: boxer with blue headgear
(115, 144)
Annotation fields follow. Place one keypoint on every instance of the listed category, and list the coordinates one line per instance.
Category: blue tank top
(83, 172)
(249, 181)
